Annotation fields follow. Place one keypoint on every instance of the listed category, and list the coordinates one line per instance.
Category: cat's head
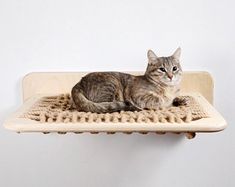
(164, 70)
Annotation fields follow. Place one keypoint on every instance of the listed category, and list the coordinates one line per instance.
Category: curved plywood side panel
(62, 82)
(201, 82)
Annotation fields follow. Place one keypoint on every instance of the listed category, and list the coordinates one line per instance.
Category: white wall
(86, 35)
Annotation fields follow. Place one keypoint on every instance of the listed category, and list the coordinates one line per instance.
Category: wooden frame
(36, 85)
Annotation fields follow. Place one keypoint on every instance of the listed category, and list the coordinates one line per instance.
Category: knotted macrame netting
(57, 109)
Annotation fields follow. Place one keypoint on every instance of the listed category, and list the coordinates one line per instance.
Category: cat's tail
(83, 104)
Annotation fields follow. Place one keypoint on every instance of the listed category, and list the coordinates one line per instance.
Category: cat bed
(46, 110)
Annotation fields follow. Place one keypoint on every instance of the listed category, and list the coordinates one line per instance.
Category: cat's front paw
(181, 101)
(131, 107)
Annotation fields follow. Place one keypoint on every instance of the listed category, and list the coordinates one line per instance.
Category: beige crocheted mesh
(58, 109)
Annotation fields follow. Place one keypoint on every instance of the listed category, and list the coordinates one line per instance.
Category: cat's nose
(170, 76)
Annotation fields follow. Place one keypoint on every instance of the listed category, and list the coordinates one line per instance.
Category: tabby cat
(106, 92)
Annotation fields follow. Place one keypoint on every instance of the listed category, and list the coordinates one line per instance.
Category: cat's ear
(177, 53)
(151, 55)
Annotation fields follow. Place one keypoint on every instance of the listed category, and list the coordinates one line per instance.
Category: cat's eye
(163, 69)
(174, 68)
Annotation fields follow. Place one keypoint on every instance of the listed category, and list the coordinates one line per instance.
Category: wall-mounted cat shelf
(46, 110)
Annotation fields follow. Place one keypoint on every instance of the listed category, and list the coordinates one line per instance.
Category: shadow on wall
(123, 158)
(90, 160)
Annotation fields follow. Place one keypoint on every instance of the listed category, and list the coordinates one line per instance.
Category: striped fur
(103, 92)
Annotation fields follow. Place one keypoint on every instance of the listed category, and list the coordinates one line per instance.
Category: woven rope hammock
(55, 109)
